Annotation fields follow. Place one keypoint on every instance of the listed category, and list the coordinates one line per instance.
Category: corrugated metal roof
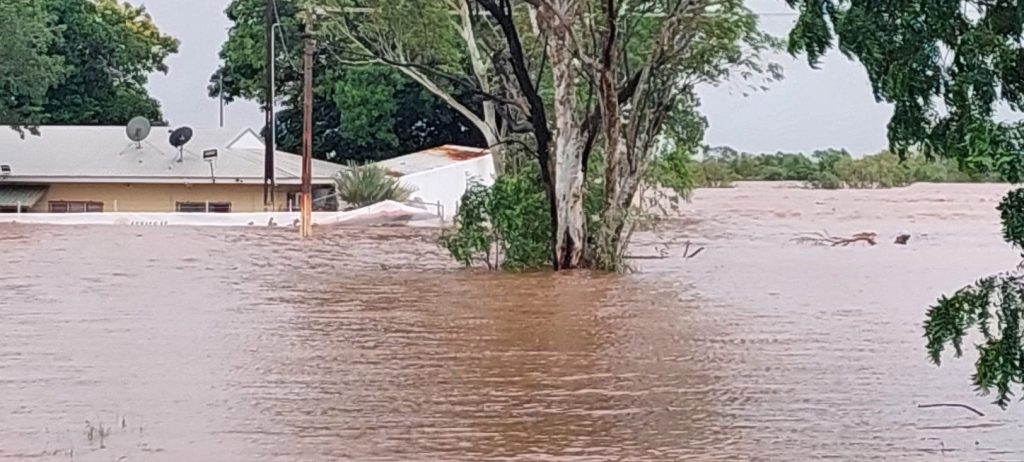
(104, 154)
(25, 196)
(431, 159)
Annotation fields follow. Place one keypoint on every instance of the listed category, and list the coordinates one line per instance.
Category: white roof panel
(105, 154)
(431, 159)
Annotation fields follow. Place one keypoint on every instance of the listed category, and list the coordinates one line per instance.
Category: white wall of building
(446, 185)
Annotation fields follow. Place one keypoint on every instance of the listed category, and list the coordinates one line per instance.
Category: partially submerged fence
(383, 212)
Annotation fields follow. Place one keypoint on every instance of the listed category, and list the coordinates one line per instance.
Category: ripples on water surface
(230, 345)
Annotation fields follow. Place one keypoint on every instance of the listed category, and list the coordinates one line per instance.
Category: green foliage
(79, 62)
(673, 167)
(1000, 364)
(1011, 210)
(830, 169)
(825, 180)
(674, 171)
(362, 112)
(714, 174)
(999, 298)
(943, 65)
(827, 160)
(109, 50)
(472, 238)
(728, 46)
(932, 172)
(765, 167)
(27, 71)
(519, 213)
(882, 170)
(507, 225)
(360, 186)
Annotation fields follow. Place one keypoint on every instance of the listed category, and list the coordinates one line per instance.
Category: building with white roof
(98, 169)
(440, 176)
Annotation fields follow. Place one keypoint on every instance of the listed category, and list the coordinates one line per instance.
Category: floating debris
(824, 238)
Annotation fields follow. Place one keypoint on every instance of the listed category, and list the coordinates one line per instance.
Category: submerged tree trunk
(570, 224)
(630, 141)
(608, 237)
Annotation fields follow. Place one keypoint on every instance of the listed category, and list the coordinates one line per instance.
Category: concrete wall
(447, 184)
(160, 198)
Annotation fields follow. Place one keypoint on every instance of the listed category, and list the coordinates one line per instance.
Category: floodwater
(185, 344)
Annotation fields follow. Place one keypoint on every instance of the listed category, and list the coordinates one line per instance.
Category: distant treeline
(829, 169)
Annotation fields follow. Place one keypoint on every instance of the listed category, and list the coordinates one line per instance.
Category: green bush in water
(505, 226)
(831, 169)
(825, 180)
(773, 173)
(714, 174)
(929, 172)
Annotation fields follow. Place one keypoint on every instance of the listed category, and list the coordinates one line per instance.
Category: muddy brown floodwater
(182, 344)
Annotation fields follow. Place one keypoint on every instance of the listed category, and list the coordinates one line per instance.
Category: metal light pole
(306, 209)
(220, 84)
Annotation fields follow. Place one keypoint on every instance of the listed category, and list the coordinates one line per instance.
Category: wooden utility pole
(306, 208)
(268, 154)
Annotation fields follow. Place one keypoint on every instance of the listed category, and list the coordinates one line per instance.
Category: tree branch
(502, 14)
(418, 73)
(476, 61)
(450, 100)
(964, 406)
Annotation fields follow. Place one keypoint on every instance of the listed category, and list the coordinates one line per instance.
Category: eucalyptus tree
(588, 82)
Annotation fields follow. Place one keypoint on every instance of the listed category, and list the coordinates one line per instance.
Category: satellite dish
(180, 137)
(138, 129)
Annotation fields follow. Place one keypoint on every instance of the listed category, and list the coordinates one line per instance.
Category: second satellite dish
(179, 138)
(138, 129)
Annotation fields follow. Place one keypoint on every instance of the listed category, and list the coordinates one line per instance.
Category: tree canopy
(79, 62)
(947, 66)
(361, 111)
(27, 71)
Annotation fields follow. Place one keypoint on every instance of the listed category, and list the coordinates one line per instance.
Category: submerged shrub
(505, 226)
(825, 180)
(929, 172)
(714, 174)
(832, 169)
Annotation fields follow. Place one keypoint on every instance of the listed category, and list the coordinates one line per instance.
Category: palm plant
(360, 186)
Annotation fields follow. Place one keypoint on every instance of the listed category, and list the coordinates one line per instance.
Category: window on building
(324, 199)
(75, 207)
(293, 201)
(201, 207)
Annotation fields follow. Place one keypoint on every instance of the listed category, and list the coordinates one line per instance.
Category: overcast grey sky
(809, 109)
